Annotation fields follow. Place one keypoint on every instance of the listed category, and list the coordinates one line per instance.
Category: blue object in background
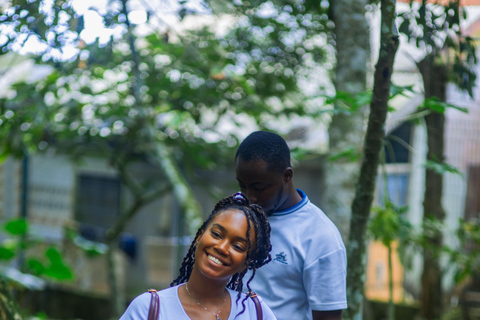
(128, 244)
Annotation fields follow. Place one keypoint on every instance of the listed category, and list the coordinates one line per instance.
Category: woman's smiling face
(222, 248)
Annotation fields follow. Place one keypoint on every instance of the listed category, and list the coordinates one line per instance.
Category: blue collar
(295, 207)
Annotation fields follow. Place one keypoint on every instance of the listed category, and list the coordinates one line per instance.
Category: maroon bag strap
(258, 306)
(154, 309)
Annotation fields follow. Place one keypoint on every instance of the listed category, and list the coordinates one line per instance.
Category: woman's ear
(200, 234)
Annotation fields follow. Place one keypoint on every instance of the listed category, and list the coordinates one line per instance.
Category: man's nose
(252, 197)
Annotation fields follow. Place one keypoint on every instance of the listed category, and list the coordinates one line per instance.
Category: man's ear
(288, 175)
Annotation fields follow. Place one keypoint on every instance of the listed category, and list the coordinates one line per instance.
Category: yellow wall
(376, 284)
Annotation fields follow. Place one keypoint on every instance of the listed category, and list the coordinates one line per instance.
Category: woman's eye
(215, 234)
(238, 247)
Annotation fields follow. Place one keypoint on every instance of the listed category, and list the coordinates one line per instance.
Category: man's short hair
(266, 146)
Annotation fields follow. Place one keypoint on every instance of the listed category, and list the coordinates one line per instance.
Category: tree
(346, 129)
(368, 172)
(150, 99)
(448, 55)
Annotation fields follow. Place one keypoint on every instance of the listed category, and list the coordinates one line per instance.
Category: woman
(234, 238)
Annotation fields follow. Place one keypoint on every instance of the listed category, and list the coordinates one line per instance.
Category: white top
(171, 307)
(308, 267)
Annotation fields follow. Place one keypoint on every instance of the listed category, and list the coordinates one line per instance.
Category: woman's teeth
(215, 260)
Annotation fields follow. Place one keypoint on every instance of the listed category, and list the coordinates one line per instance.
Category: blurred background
(119, 121)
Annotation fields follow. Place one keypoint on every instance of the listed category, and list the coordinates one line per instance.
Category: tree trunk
(434, 79)
(374, 137)
(117, 296)
(391, 305)
(345, 131)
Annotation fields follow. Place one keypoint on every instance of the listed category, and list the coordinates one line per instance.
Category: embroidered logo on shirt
(281, 257)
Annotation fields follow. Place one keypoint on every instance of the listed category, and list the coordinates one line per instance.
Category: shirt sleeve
(138, 308)
(325, 281)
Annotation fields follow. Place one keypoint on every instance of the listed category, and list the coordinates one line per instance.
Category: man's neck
(293, 197)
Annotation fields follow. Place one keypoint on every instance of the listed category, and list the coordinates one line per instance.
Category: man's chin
(269, 212)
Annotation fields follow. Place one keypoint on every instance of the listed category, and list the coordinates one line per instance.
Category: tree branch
(126, 215)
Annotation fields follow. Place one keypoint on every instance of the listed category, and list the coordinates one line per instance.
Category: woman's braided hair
(257, 256)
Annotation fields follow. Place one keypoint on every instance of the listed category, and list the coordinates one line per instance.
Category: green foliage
(436, 105)
(466, 260)
(51, 266)
(463, 257)
(350, 154)
(7, 250)
(436, 29)
(16, 227)
(121, 103)
(90, 248)
(442, 168)
(10, 247)
(389, 224)
(400, 90)
(298, 153)
(56, 267)
(347, 102)
(53, 30)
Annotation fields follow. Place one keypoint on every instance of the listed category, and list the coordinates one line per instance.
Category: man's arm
(327, 315)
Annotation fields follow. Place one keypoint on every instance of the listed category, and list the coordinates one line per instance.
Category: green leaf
(442, 168)
(350, 154)
(53, 255)
(6, 253)
(389, 224)
(36, 266)
(91, 248)
(361, 99)
(400, 90)
(298, 153)
(17, 226)
(440, 106)
(57, 269)
(41, 316)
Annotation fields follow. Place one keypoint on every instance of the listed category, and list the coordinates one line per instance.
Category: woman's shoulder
(138, 308)
(163, 293)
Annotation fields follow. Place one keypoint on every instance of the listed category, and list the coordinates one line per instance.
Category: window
(98, 204)
(397, 187)
(396, 143)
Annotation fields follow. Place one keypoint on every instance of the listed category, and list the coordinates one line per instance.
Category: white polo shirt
(308, 267)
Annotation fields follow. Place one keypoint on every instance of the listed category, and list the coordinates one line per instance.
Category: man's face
(261, 185)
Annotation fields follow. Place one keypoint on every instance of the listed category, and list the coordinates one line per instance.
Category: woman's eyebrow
(224, 230)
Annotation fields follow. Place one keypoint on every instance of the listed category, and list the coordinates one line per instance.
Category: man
(306, 278)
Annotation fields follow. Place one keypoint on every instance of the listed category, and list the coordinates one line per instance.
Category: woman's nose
(222, 247)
